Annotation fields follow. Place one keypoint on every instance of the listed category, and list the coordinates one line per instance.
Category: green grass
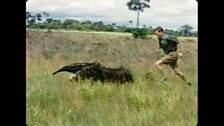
(55, 101)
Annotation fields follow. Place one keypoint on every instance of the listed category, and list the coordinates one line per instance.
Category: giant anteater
(97, 72)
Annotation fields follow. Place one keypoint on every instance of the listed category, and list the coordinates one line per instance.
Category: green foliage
(140, 32)
(98, 26)
(109, 28)
(69, 23)
(43, 21)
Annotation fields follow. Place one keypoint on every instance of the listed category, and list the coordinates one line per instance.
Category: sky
(170, 14)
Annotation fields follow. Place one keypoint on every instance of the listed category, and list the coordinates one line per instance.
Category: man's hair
(159, 29)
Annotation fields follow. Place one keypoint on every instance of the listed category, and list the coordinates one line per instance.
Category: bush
(142, 33)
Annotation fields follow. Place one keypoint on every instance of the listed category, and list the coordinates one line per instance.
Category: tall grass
(55, 101)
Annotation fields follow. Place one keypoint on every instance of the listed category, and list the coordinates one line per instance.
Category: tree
(186, 29)
(30, 20)
(114, 25)
(38, 17)
(138, 5)
(130, 21)
(70, 23)
(98, 26)
(28, 15)
(109, 28)
(45, 15)
(53, 24)
(49, 20)
(86, 22)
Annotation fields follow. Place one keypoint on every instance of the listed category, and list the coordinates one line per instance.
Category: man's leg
(158, 65)
(181, 75)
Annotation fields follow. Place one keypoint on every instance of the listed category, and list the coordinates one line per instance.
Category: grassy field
(55, 101)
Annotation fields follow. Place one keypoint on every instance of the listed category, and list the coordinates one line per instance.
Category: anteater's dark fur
(97, 72)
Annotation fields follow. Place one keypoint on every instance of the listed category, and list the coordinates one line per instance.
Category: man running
(172, 48)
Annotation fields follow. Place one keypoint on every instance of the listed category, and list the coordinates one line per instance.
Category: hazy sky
(170, 14)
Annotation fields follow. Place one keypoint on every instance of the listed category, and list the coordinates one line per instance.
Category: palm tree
(138, 5)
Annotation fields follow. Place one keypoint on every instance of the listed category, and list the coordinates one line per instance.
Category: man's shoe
(189, 83)
(162, 81)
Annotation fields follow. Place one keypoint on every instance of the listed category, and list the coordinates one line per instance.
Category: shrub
(142, 33)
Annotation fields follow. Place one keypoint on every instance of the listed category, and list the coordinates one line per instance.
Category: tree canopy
(138, 5)
(44, 21)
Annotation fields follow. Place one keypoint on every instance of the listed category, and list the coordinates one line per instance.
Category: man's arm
(179, 49)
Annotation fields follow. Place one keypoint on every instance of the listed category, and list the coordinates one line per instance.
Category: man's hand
(180, 54)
